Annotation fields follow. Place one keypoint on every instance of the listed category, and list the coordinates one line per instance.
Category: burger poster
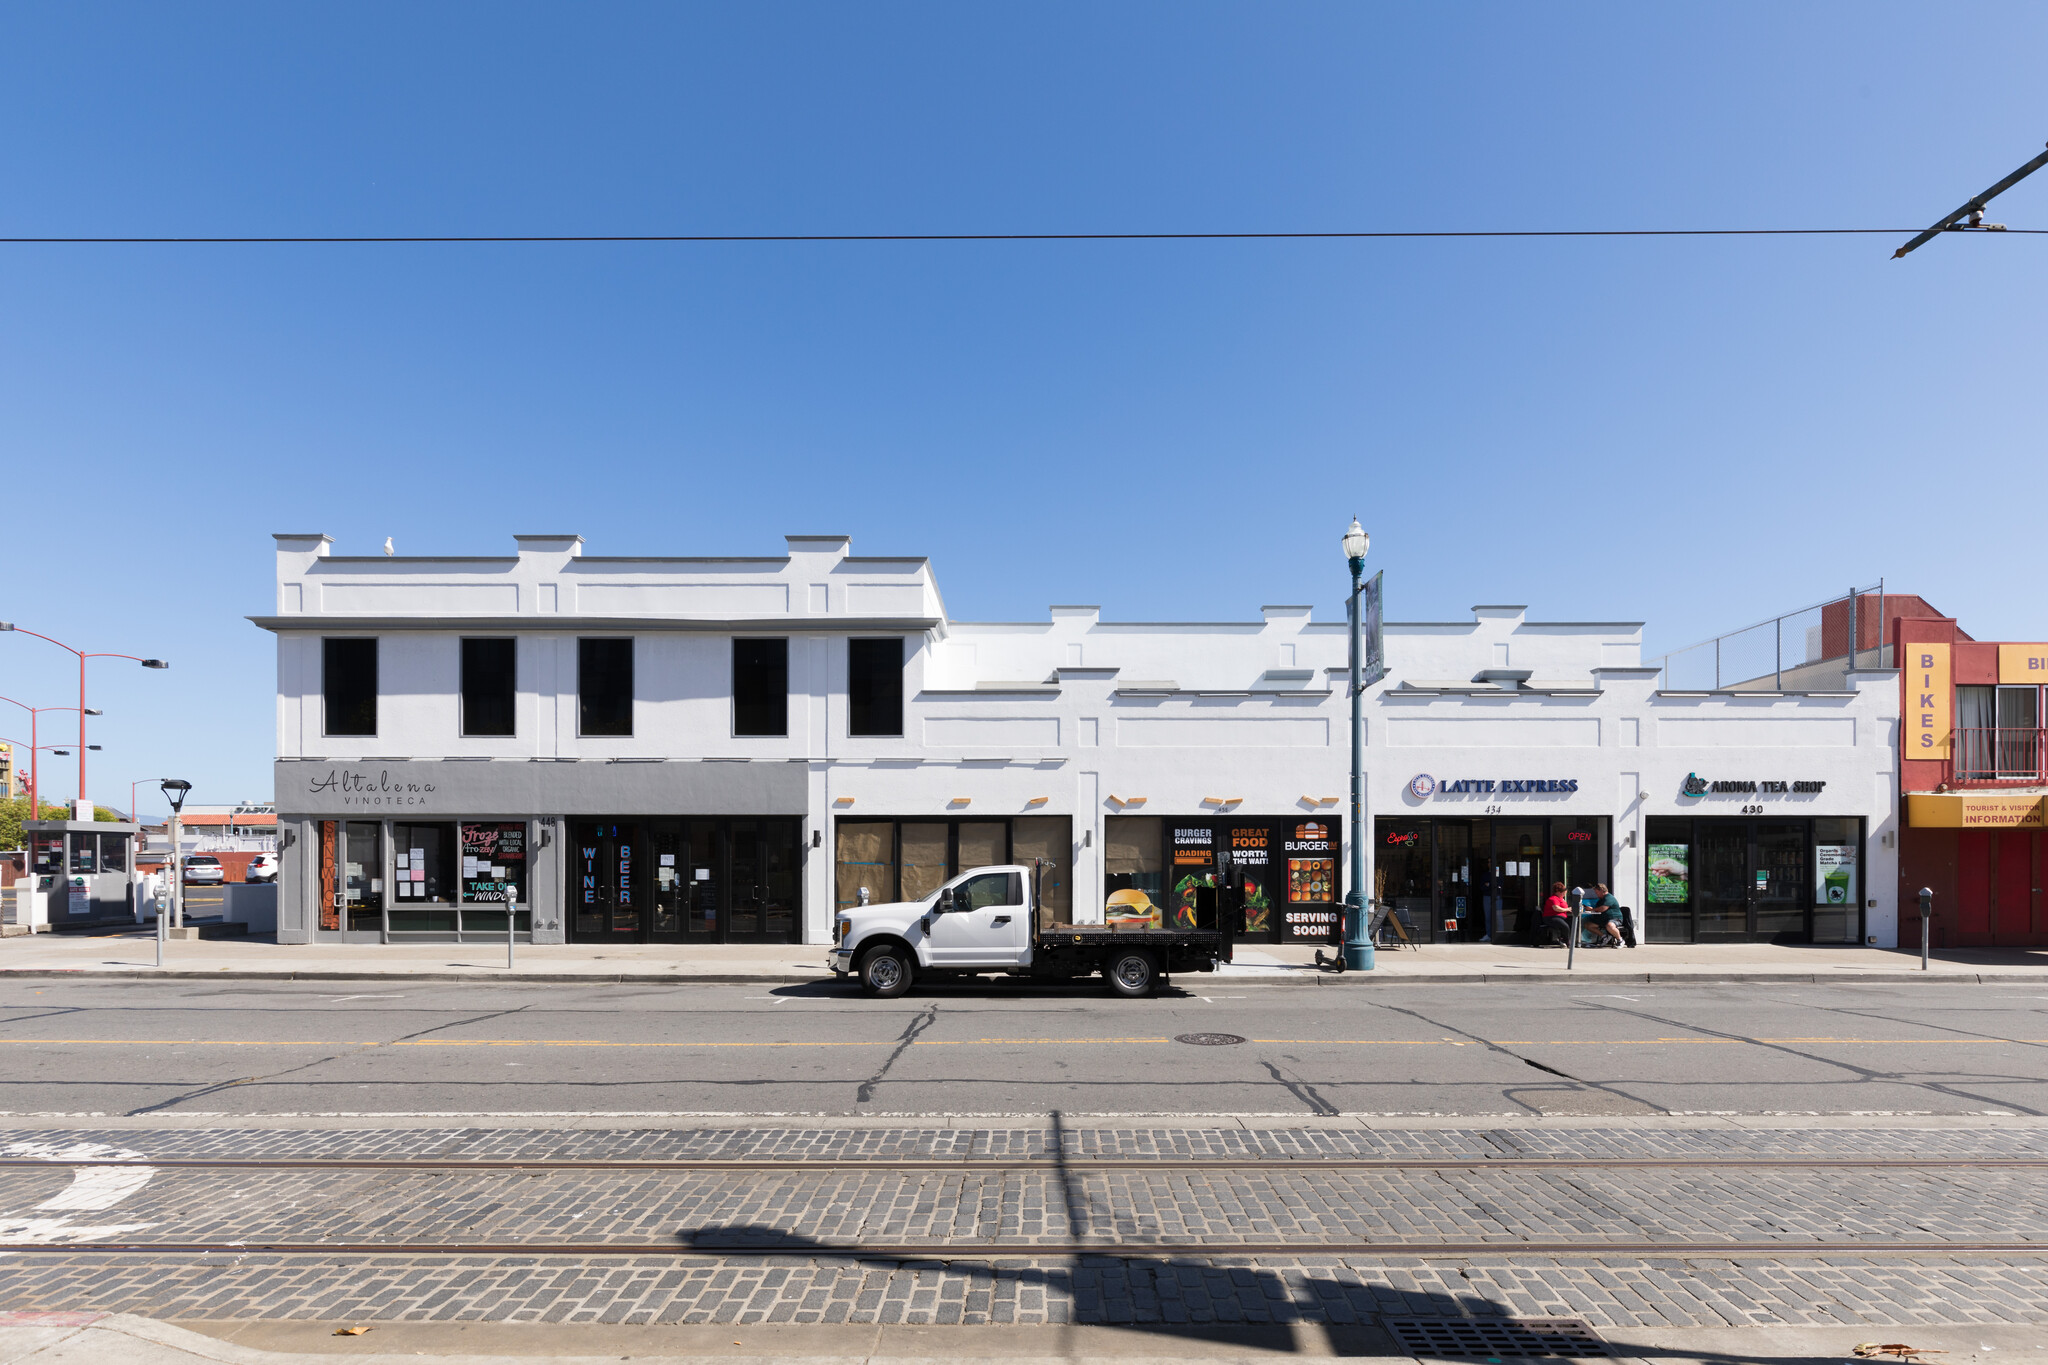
(1194, 867)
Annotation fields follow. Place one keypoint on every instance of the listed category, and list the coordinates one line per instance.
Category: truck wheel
(885, 973)
(1131, 974)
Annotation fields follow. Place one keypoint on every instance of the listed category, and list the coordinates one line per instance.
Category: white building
(722, 749)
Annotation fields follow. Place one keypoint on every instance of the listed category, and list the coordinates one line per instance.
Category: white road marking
(338, 999)
(92, 1187)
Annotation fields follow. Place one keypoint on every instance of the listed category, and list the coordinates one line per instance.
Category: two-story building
(715, 749)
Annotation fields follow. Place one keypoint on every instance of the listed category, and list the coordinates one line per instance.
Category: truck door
(989, 925)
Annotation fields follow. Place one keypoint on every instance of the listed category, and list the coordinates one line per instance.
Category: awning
(1989, 810)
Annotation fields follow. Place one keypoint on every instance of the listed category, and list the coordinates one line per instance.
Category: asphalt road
(256, 1048)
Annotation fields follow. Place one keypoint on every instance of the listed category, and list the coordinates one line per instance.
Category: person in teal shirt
(1604, 911)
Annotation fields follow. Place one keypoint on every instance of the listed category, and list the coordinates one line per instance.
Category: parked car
(203, 869)
(262, 868)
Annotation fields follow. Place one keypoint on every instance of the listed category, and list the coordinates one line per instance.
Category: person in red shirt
(1556, 918)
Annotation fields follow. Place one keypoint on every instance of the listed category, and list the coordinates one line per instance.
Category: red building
(1972, 783)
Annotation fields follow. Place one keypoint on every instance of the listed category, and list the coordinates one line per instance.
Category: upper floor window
(348, 682)
(874, 686)
(604, 686)
(760, 687)
(490, 679)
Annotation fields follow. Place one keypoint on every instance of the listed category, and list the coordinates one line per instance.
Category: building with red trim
(1973, 783)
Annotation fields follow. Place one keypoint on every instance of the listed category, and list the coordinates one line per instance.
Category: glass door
(704, 886)
(606, 882)
(761, 871)
(1518, 878)
(1457, 910)
(1721, 880)
(362, 885)
(671, 881)
(1778, 884)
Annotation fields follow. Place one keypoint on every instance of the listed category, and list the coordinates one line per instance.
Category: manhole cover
(1208, 1039)
(1495, 1338)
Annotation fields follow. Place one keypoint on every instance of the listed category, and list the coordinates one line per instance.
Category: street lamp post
(1358, 949)
(35, 790)
(81, 708)
(175, 792)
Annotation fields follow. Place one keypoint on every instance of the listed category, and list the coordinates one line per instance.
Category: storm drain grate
(1208, 1039)
(1495, 1338)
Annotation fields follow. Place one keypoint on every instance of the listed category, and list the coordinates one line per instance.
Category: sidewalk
(124, 1339)
(125, 955)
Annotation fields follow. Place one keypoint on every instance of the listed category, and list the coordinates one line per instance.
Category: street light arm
(1974, 204)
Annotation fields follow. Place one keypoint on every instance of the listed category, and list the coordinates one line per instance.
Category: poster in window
(1834, 869)
(1311, 882)
(492, 855)
(1670, 874)
(1194, 867)
(1250, 855)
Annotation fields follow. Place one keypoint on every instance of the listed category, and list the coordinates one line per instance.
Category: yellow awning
(1987, 810)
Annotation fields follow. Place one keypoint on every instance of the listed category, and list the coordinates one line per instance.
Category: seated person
(1602, 916)
(1556, 918)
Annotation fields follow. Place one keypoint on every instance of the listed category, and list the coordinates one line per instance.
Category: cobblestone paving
(1292, 1204)
(1865, 1291)
(1036, 1143)
(1279, 1194)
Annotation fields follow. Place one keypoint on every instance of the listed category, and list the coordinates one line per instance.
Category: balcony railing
(1997, 756)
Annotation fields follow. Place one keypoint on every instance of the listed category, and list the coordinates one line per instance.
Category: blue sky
(1695, 433)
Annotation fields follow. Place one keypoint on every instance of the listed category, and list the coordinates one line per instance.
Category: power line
(764, 237)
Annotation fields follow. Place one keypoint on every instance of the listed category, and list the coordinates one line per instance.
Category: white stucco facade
(1070, 716)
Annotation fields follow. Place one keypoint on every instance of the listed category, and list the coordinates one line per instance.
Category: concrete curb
(1293, 976)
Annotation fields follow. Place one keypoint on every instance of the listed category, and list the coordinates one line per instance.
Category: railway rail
(1262, 1164)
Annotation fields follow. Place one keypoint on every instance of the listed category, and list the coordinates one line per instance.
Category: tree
(14, 813)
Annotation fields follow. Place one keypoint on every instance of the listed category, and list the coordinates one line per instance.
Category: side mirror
(945, 905)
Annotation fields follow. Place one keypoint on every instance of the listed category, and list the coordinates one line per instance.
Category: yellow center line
(1092, 1042)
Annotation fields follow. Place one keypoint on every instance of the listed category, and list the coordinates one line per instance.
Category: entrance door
(605, 891)
(763, 880)
(362, 881)
(1749, 880)
(1518, 878)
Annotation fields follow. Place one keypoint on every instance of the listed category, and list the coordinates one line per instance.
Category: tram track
(1261, 1163)
(966, 1250)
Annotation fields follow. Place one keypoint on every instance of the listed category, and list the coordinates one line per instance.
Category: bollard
(1926, 918)
(511, 918)
(1571, 948)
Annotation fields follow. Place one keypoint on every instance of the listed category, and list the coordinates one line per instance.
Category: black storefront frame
(624, 875)
(1659, 920)
(1426, 923)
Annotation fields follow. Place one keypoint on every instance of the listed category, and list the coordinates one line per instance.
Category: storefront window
(1132, 856)
(866, 862)
(493, 857)
(1405, 873)
(1048, 837)
(1668, 867)
(422, 884)
(1578, 853)
(923, 856)
(1837, 880)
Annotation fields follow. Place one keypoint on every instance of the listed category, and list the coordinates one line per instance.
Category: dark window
(348, 679)
(604, 686)
(490, 676)
(760, 687)
(874, 687)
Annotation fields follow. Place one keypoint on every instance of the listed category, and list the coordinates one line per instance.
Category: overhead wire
(796, 238)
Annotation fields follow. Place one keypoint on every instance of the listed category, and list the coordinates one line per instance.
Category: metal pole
(1926, 918)
(1778, 637)
(81, 736)
(511, 898)
(1852, 630)
(175, 890)
(1358, 947)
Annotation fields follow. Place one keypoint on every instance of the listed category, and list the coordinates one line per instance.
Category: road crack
(866, 1093)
